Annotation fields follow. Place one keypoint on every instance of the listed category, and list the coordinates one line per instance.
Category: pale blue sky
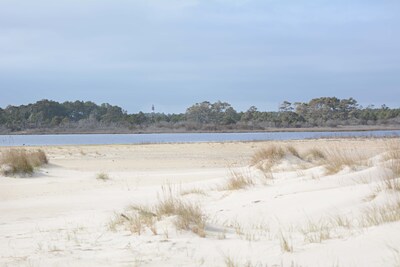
(174, 53)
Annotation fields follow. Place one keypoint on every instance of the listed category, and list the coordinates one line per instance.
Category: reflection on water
(105, 139)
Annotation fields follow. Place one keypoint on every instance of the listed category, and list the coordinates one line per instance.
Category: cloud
(217, 44)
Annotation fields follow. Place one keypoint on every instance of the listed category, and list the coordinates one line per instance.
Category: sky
(174, 53)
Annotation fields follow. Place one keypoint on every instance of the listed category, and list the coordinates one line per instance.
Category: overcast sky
(174, 53)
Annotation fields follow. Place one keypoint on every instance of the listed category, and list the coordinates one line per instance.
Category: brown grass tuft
(103, 176)
(336, 159)
(238, 180)
(20, 161)
(266, 158)
(391, 177)
(377, 215)
(292, 150)
(272, 153)
(189, 216)
(285, 243)
(196, 191)
(315, 154)
(316, 232)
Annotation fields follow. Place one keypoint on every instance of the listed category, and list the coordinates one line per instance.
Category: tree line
(51, 116)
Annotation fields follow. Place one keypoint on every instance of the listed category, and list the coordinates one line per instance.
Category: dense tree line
(79, 116)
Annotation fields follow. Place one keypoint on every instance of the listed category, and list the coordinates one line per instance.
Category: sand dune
(294, 212)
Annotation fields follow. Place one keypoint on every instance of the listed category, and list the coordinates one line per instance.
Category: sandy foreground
(294, 214)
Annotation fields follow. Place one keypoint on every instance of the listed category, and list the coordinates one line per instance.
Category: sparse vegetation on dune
(315, 154)
(196, 191)
(336, 159)
(20, 161)
(285, 243)
(238, 180)
(381, 214)
(265, 159)
(316, 232)
(272, 153)
(333, 159)
(188, 216)
(342, 225)
(391, 178)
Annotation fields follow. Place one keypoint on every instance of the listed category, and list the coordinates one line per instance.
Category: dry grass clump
(272, 153)
(285, 243)
(292, 150)
(38, 158)
(20, 161)
(103, 176)
(136, 222)
(188, 216)
(377, 215)
(315, 154)
(391, 178)
(391, 181)
(316, 232)
(143, 217)
(266, 158)
(336, 159)
(342, 221)
(229, 262)
(196, 191)
(393, 149)
(238, 180)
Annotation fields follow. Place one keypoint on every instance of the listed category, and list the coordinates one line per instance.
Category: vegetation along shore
(319, 114)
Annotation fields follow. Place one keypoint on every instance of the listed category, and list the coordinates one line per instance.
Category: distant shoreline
(169, 131)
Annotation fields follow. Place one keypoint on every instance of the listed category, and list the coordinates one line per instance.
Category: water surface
(107, 139)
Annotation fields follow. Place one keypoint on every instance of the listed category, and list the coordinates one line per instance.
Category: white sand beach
(293, 211)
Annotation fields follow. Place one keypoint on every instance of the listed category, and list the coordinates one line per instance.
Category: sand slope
(63, 215)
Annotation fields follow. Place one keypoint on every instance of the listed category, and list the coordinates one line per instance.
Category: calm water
(103, 139)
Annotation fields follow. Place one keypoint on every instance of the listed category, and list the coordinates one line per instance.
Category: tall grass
(285, 243)
(272, 153)
(266, 158)
(315, 154)
(238, 180)
(391, 177)
(377, 215)
(316, 232)
(188, 216)
(336, 159)
(20, 161)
